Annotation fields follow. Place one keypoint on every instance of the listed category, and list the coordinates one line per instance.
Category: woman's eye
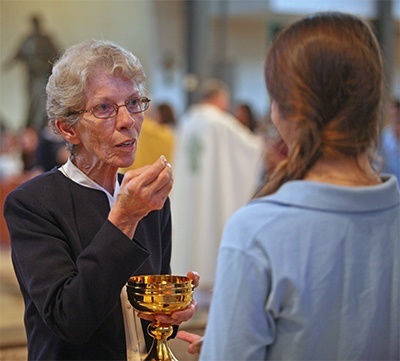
(104, 108)
(132, 102)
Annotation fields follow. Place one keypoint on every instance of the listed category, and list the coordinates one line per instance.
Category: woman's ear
(68, 132)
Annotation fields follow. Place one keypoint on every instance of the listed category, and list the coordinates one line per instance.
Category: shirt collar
(323, 196)
(75, 174)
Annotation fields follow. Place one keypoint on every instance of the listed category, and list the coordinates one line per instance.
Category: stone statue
(37, 52)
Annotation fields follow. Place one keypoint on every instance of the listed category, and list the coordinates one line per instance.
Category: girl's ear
(68, 132)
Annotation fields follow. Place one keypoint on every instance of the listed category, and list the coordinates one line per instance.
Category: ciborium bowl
(159, 294)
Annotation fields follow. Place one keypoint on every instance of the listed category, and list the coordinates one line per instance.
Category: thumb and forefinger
(149, 173)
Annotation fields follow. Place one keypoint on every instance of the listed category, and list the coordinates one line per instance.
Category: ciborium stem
(159, 350)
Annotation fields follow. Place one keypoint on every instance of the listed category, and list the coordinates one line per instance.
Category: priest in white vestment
(217, 168)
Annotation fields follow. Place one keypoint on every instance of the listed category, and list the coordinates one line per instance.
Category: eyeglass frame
(115, 107)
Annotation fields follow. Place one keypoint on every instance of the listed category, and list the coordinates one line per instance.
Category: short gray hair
(67, 85)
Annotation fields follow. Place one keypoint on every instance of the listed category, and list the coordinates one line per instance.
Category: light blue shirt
(311, 272)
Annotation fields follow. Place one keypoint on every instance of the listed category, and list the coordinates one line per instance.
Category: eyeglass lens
(108, 110)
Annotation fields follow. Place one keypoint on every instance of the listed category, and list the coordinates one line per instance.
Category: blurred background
(179, 42)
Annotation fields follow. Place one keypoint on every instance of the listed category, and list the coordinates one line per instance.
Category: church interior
(180, 43)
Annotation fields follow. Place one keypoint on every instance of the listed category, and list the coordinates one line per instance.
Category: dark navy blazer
(71, 264)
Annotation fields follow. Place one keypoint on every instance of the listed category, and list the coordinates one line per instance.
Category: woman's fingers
(195, 341)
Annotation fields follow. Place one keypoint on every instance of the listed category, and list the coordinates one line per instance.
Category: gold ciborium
(159, 294)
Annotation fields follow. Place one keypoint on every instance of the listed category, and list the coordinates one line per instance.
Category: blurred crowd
(28, 152)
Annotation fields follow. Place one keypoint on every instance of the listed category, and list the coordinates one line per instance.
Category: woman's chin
(126, 162)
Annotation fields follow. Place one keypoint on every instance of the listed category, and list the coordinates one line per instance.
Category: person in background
(51, 151)
(390, 140)
(80, 231)
(217, 166)
(156, 139)
(28, 141)
(165, 114)
(245, 115)
(309, 270)
(11, 162)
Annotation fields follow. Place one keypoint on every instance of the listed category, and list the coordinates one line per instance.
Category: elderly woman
(79, 232)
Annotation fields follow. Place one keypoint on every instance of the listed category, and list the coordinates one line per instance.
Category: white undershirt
(134, 337)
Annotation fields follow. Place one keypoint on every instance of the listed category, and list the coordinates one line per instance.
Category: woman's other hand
(195, 341)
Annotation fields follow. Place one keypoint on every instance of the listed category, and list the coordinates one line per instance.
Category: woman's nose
(125, 120)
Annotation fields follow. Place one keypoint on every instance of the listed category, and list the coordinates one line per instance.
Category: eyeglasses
(109, 110)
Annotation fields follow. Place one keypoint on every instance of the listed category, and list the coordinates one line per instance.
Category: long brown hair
(325, 73)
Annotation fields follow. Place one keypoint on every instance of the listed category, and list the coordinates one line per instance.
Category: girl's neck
(344, 171)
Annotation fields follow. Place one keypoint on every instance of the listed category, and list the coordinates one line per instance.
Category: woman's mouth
(128, 143)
